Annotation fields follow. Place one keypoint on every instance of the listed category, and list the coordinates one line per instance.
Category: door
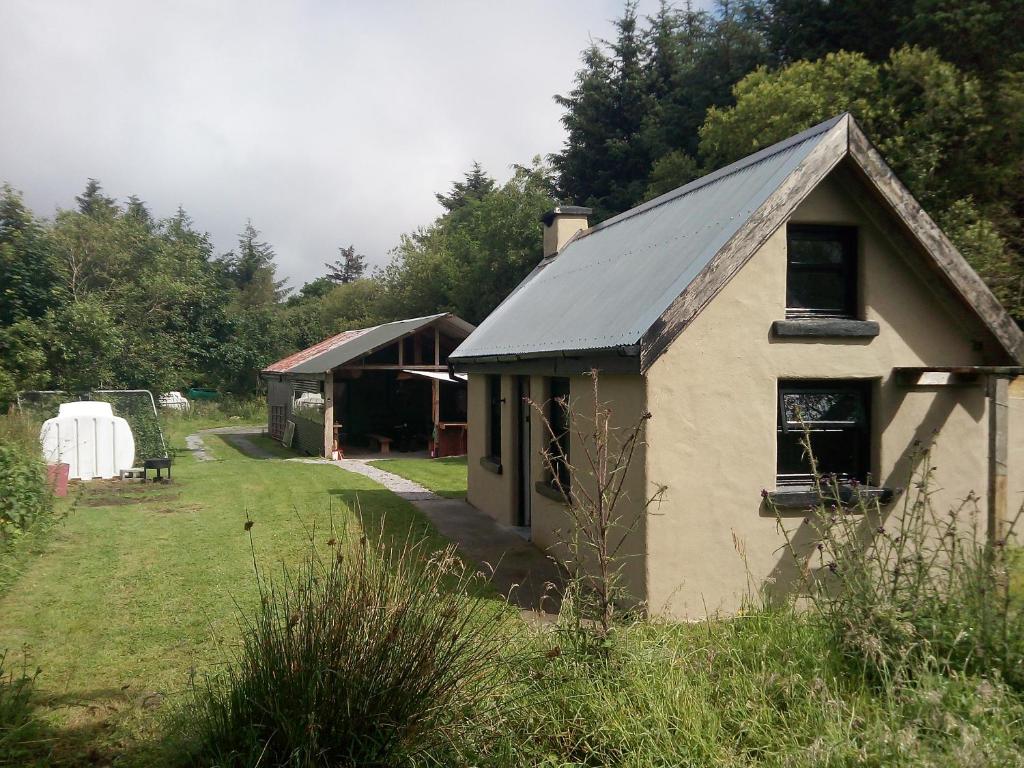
(523, 453)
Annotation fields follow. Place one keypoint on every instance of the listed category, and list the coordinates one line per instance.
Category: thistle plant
(906, 589)
(601, 516)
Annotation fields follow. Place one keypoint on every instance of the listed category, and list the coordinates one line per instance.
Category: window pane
(822, 270)
(494, 386)
(815, 251)
(837, 451)
(812, 407)
(816, 289)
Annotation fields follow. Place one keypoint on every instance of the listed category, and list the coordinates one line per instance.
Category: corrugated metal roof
(349, 345)
(607, 287)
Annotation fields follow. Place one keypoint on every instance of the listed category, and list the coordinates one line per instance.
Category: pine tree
(476, 185)
(92, 202)
(349, 268)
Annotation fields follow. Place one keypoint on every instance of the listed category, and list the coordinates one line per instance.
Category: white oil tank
(90, 439)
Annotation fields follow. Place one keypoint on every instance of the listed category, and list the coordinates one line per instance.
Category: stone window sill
(491, 464)
(549, 491)
(802, 497)
(824, 328)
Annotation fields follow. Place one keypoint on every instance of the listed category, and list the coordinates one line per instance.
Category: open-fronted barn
(373, 388)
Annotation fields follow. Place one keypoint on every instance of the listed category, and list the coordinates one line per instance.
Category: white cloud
(325, 122)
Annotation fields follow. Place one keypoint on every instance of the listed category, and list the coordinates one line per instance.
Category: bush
(25, 497)
(365, 660)
(915, 592)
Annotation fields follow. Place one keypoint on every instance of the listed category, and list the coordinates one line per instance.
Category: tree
(92, 202)
(28, 280)
(252, 271)
(469, 259)
(475, 186)
(348, 268)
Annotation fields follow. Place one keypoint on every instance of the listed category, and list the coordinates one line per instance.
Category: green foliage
(366, 659)
(934, 125)
(469, 260)
(913, 591)
(17, 726)
(26, 499)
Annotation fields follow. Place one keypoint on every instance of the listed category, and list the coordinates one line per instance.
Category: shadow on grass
(93, 733)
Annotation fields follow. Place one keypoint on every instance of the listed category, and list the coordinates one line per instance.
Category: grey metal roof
(610, 284)
(350, 345)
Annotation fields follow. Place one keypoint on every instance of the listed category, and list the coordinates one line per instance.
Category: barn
(373, 390)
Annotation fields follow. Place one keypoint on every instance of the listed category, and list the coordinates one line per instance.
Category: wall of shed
(712, 439)
(496, 494)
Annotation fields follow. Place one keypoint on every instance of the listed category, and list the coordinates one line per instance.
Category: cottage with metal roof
(372, 388)
(803, 279)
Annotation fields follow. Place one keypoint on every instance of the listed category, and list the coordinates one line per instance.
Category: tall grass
(17, 725)
(370, 656)
(913, 590)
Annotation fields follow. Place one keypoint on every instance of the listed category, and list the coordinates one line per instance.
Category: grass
(445, 477)
(141, 584)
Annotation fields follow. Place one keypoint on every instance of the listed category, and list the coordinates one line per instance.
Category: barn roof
(631, 284)
(350, 345)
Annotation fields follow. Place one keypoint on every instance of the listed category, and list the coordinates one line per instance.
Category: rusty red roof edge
(286, 364)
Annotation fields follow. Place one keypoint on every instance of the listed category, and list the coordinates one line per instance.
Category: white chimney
(561, 224)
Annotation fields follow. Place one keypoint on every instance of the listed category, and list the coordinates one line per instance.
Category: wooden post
(998, 448)
(328, 413)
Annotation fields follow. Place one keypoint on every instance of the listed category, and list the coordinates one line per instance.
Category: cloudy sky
(327, 123)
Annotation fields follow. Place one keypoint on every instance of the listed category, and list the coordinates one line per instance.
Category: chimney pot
(560, 224)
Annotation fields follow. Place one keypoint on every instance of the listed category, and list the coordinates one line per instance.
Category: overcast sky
(327, 123)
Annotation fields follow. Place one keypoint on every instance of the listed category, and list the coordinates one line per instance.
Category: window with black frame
(821, 275)
(836, 415)
(558, 417)
(494, 417)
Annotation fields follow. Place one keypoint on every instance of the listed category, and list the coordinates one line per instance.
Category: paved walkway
(520, 571)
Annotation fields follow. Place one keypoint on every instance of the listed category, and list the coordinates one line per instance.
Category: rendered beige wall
(492, 493)
(712, 439)
(496, 495)
(625, 397)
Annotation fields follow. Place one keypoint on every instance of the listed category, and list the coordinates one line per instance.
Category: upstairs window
(558, 416)
(821, 275)
(494, 417)
(837, 416)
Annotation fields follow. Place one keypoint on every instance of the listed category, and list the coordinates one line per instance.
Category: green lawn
(141, 584)
(445, 477)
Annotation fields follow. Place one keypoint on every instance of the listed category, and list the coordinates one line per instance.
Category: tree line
(107, 294)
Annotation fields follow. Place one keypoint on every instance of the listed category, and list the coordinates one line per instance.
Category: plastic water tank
(90, 439)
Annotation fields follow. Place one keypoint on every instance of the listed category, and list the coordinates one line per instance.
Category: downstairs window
(836, 414)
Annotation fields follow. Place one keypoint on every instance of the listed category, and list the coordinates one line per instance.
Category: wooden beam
(437, 346)
(328, 413)
(744, 244)
(998, 453)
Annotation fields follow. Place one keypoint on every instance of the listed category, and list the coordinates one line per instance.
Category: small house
(373, 389)
(803, 279)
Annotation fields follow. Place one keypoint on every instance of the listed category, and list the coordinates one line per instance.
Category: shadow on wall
(785, 578)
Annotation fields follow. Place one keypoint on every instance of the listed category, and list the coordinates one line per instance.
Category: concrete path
(520, 571)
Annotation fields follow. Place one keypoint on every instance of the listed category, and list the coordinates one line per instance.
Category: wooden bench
(383, 444)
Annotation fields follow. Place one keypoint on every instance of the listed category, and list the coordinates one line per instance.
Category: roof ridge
(710, 178)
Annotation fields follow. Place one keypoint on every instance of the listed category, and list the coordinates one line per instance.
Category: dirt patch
(181, 508)
(114, 493)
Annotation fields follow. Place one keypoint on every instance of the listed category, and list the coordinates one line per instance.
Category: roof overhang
(554, 363)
